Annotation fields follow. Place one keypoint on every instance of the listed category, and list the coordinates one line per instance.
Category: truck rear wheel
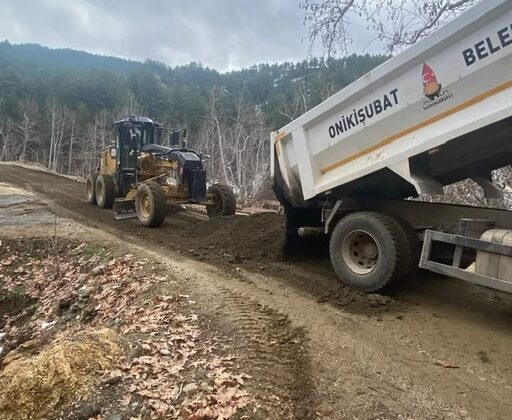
(105, 191)
(150, 204)
(224, 202)
(90, 188)
(370, 251)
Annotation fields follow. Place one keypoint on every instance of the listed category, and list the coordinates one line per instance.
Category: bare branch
(396, 23)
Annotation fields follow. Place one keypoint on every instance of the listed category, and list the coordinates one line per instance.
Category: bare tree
(503, 179)
(58, 119)
(53, 110)
(6, 140)
(298, 103)
(468, 192)
(71, 141)
(327, 87)
(25, 129)
(214, 120)
(133, 108)
(102, 130)
(396, 23)
(236, 137)
(59, 140)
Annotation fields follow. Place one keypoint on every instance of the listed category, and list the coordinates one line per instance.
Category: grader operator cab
(139, 177)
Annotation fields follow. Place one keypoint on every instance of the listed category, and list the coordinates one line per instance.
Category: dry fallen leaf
(445, 364)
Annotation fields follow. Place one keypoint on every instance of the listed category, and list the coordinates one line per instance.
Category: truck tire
(224, 201)
(150, 204)
(370, 251)
(105, 191)
(90, 188)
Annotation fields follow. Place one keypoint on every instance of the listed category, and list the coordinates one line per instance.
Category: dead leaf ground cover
(170, 366)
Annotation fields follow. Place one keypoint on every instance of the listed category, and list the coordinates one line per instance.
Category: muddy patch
(21, 208)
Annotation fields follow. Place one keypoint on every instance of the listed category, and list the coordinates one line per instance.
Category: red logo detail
(431, 87)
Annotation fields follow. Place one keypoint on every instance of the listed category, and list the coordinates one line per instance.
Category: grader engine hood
(190, 168)
(155, 149)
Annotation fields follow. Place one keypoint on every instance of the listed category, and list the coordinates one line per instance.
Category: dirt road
(438, 349)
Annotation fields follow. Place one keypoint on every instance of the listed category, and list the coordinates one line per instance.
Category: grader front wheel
(224, 202)
(150, 204)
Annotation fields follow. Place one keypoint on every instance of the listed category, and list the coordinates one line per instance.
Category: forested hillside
(57, 106)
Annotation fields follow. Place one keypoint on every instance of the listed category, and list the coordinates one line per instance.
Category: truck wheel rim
(360, 251)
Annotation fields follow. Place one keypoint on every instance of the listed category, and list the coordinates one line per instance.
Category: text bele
(488, 46)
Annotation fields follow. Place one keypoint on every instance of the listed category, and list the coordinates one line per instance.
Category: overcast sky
(223, 34)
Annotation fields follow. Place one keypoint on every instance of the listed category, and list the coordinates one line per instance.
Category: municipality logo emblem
(432, 89)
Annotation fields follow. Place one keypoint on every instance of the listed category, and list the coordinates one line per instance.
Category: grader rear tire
(150, 204)
(90, 188)
(224, 201)
(105, 191)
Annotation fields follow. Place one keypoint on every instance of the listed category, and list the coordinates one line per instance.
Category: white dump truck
(356, 166)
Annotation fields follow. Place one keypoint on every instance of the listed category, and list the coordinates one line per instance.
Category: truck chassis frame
(433, 222)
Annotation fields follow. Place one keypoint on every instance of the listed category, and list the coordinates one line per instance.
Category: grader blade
(124, 209)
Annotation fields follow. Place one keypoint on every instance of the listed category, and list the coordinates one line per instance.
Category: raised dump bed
(438, 113)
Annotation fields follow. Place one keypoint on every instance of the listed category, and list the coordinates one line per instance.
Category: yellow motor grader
(139, 177)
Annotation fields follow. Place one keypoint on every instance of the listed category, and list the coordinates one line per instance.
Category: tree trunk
(71, 145)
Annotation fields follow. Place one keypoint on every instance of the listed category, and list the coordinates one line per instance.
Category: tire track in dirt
(265, 343)
(274, 352)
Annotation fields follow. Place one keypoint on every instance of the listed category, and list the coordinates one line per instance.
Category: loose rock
(113, 380)
(85, 291)
(88, 411)
(98, 270)
(187, 389)
(378, 299)
(165, 352)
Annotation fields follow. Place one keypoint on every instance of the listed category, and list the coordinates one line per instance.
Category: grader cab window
(128, 144)
(145, 134)
(130, 139)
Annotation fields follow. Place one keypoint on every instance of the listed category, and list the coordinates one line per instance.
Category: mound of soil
(256, 236)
